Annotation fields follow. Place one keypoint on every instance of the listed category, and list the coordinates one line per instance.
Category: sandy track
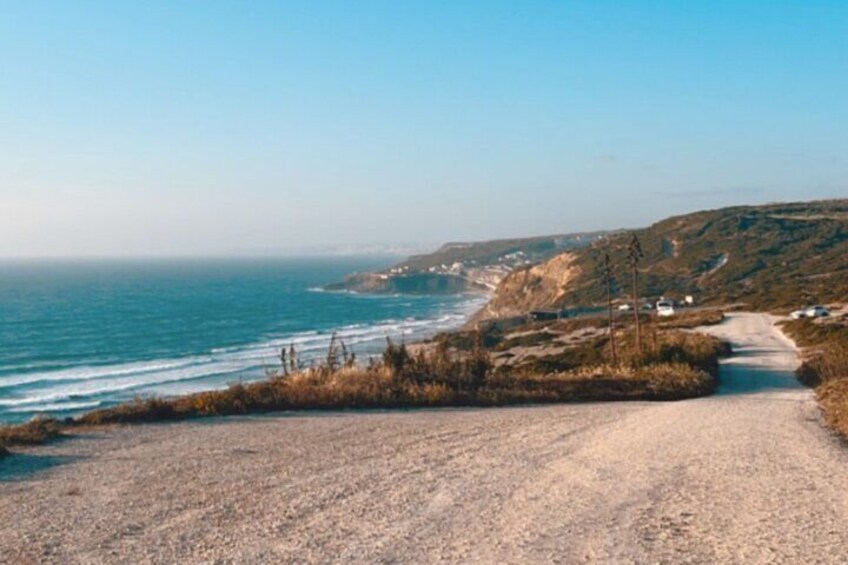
(745, 476)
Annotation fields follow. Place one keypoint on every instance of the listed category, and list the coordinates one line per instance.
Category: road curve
(745, 476)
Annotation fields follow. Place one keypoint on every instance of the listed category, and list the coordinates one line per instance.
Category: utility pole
(634, 255)
(608, 279)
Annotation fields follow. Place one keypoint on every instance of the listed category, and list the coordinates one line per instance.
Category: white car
(817, 312)
(665, 308)
(810, 312)
(624, 307)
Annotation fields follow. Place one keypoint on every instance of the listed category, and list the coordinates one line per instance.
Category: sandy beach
(748, 475)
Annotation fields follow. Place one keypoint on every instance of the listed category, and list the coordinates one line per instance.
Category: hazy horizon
(389, 250)
(220, 129)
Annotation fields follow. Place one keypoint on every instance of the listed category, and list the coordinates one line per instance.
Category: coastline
(84, 380)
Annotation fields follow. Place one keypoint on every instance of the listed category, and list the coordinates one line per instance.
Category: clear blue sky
(218, 127)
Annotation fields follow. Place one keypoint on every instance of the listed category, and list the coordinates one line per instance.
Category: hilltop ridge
(769, 257)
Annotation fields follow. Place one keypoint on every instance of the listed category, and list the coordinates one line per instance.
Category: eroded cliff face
(538, 287)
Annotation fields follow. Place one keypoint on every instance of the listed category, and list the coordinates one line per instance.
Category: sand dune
(746, 476)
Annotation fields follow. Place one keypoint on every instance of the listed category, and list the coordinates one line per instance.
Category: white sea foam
(86, 387)
(56, 407)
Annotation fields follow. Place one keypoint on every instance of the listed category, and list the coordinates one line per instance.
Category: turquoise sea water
(79, 335)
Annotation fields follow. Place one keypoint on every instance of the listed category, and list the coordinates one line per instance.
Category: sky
(226, 128)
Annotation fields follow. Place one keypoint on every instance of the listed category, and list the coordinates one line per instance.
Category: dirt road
(746, 476)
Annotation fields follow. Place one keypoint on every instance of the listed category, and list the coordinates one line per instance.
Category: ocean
(80, 335)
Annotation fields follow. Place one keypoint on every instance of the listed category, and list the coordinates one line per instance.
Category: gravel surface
(746, 476)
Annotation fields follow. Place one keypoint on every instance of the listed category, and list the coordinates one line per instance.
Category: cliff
(531, 288)
(414, 283)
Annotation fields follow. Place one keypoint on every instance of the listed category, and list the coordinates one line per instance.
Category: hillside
(769, 257)
(499, 251)
(464, 267)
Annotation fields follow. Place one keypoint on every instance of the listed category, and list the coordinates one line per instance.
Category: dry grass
(825, 366)
(833, 399)
(679, 366)
(809, 333)
(34, 432)
(660, 381)
(692, 320)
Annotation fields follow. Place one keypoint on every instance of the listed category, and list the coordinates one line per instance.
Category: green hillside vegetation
(769, 257)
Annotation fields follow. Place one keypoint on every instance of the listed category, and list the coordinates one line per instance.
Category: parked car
(665, 308)
(625, 307)
(817, 311)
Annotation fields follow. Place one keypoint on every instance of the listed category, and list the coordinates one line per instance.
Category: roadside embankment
(825, 366)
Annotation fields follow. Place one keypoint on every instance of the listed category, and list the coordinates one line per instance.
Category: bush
(669, 381)
(677, 347)
(137, 410)
(35, 432)
(691, 320)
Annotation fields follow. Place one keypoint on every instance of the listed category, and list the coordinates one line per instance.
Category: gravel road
(746, 476)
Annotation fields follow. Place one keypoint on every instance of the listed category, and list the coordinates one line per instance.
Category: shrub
(691, 320)
(697, 350)
(36, 431)
(666, 381)
(137, 410)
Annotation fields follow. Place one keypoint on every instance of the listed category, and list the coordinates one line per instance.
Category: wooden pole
(608, 276)
(635, 254)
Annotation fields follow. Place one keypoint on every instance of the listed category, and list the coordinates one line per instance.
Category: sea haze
(78, 335)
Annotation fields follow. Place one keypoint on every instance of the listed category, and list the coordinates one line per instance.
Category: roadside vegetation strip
(677, 365)
(694, 319)
(825, 366)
